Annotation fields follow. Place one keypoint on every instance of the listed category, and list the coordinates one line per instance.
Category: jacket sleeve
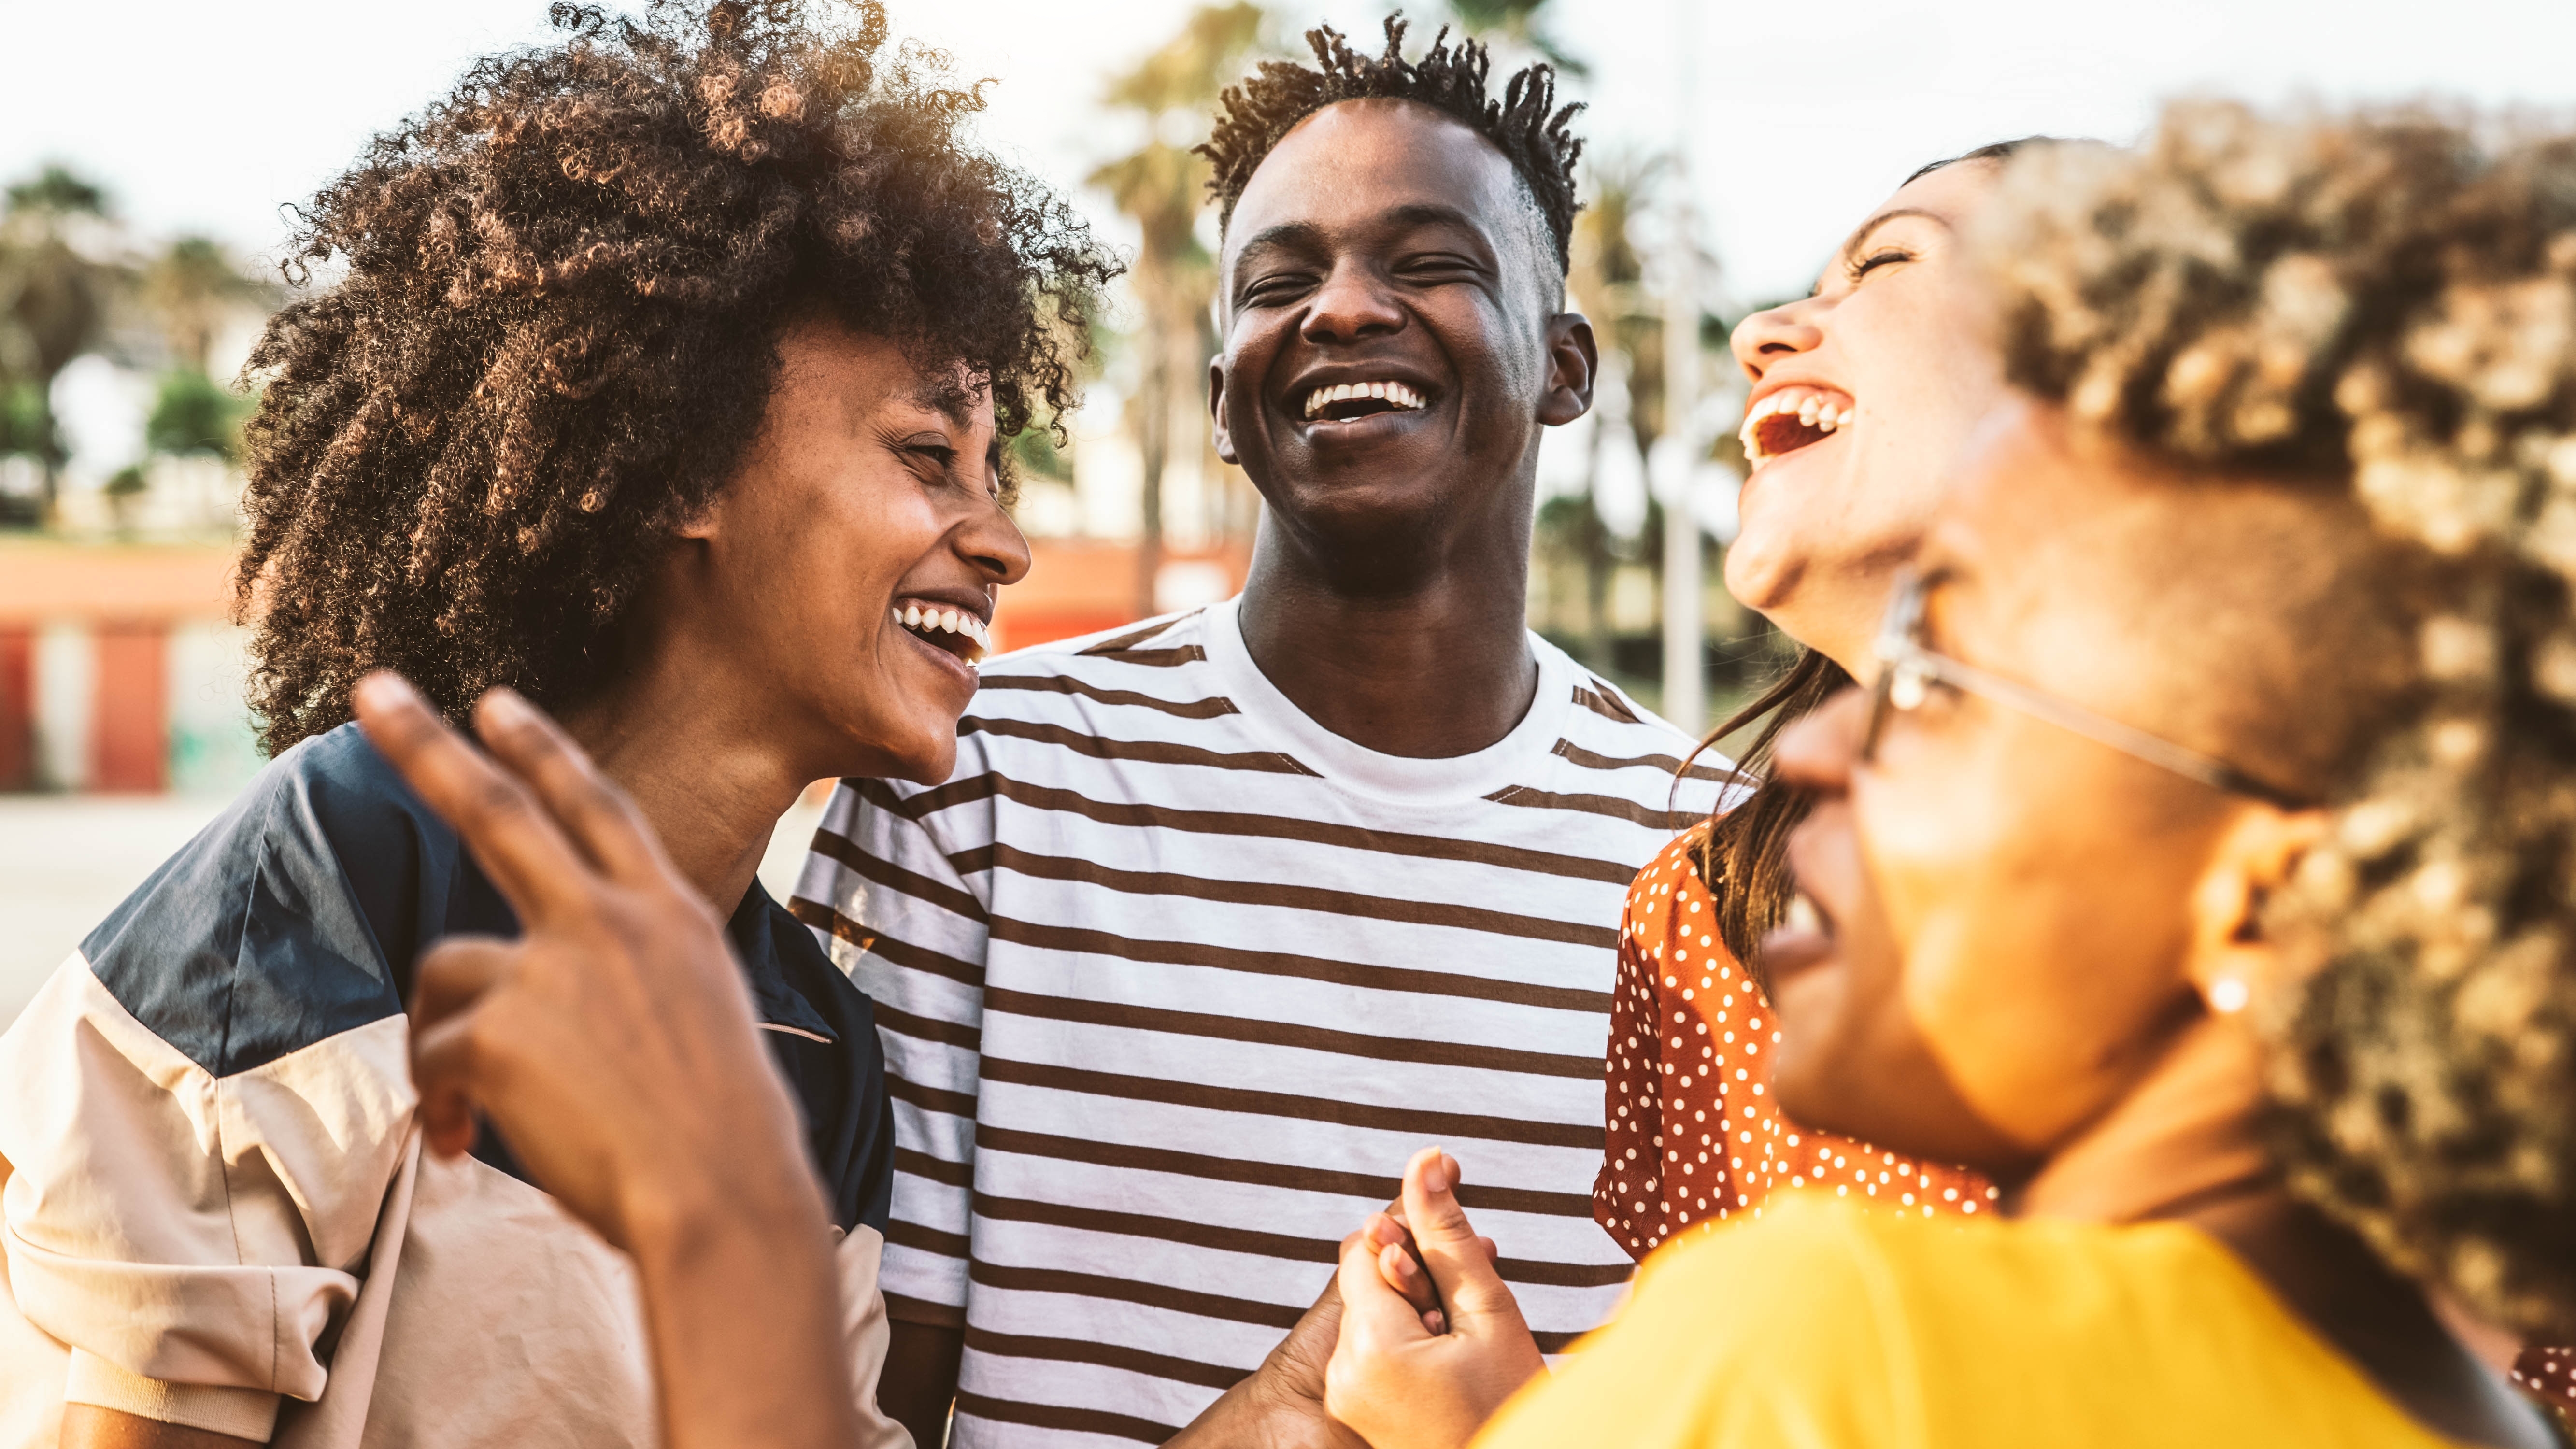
(203, 1109)
(897, 914)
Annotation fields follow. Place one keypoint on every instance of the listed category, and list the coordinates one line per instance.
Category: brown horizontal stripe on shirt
(1609, 805)
(1213, 707)
(1261, 1244)
(1107, 1355)
(902, 953)
(847, 853)
(1429, 1126)
(930, 1099)
(971, 788)
(1056, 1416)
(1284, 897)
(927, 1028)
(1149, 1295)
(1149, 752)
(1311, 968)
(1286, 1034)
(1153, 658)
(1117, 642)
(925, 1239)
(1281, 1316)
(1372, 1186)
(922, 1164)
(1602, 702)
(1576, 754)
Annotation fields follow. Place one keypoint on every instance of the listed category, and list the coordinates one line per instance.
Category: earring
(2228, 995)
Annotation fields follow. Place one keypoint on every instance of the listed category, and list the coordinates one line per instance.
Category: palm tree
(1161, 187)
(188, 289)
(54, 296)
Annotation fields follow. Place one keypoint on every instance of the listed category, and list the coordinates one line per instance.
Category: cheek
(2037, 958)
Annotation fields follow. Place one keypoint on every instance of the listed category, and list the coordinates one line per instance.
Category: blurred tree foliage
(1519, 21)
(193, 413)
(57, 282)
(1161, 186)
(189, 289)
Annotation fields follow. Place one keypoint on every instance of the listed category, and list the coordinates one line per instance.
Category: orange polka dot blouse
(1693, 1135)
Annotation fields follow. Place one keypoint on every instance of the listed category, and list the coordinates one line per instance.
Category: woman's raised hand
(614, 1046)
(1394, 1377)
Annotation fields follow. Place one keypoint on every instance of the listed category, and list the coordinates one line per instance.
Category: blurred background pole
(1685, 654)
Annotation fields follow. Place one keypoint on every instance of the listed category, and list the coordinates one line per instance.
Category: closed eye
(1885, 256)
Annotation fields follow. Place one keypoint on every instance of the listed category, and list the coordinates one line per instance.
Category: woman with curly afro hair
(659, 375)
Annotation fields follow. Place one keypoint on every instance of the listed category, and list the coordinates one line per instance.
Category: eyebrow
(1307, 236)
(1850, 250)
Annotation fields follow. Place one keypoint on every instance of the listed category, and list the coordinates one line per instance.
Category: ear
(2232, 959)
(1224, 436)
(1573, 361)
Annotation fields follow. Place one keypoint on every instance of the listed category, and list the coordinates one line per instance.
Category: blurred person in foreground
(662, 377)
(1221, 913)
(2196, 865)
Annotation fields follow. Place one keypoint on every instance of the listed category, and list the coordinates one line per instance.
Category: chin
(927, 762)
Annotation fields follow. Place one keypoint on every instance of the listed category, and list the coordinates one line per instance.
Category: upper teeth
(1811, 408)
(1394, 392)
(952, 621)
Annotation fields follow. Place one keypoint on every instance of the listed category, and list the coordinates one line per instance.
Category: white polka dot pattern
(1692, 1134)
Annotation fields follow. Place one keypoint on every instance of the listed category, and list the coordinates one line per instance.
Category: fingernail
(382, 689)
(1434, 1321)
(1435, 1178)
(508, 707)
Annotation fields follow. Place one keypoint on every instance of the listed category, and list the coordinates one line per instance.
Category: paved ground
(65, 861)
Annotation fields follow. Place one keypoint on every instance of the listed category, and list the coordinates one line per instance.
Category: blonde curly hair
(2382, 302)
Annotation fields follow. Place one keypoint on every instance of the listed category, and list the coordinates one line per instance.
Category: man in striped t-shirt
(1224, 915)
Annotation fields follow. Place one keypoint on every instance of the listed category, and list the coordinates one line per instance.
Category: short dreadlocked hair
(554, 321)
(1526, 125)
(2380, 306)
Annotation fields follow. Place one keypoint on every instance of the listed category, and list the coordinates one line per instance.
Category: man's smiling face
(1392, 338)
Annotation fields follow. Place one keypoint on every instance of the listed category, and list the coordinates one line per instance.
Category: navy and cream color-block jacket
(216, 1209)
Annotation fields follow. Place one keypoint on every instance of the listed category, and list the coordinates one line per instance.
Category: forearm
(919, 1383)
(742, 1307)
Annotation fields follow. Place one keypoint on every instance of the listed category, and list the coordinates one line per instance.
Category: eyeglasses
(1907, 671)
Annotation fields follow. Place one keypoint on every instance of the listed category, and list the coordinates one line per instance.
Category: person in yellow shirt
(2200, 865)
(2197, 865)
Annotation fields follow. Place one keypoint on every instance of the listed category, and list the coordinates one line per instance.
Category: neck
(2183, 1146)
(1428, 661)
(2185, 1133)
(704, 768)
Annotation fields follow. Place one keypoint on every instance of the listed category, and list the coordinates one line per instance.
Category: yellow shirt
(1821, 1325)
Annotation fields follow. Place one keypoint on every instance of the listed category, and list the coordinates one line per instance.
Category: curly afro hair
(1526, 125)
(551, 324)
(2382, 304)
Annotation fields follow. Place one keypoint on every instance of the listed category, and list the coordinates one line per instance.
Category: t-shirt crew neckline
(1394, 779)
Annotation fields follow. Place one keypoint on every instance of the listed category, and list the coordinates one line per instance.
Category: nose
(1775, 334)
(1817, 753)
(993, 543)
(1349, 306)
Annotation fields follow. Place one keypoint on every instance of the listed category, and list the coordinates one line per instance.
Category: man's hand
(614, 1046)
(1391, 1378)
(1280, 1405)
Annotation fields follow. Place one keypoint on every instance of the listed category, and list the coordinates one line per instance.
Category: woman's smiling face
(1862, 394)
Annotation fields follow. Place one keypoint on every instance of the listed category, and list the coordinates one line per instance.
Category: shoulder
(1641, 753)
(286, 920)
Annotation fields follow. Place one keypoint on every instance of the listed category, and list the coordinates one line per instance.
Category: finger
(1459, 1264)
(1386, 1231)
(588, 807)
(456, 973)
(442, 1072)
(1406, 1276)
(1372, 1313)
(536, 870)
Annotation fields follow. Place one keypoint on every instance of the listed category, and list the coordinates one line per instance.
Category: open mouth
(1345, 402)
(1794, 418)
(946, 628)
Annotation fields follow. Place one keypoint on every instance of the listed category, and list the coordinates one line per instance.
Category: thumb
(1459, 1260)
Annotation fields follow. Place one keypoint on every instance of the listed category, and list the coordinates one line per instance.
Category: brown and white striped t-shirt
(1172, 980)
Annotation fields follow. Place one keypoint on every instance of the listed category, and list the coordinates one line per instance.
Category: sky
(206, 115)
